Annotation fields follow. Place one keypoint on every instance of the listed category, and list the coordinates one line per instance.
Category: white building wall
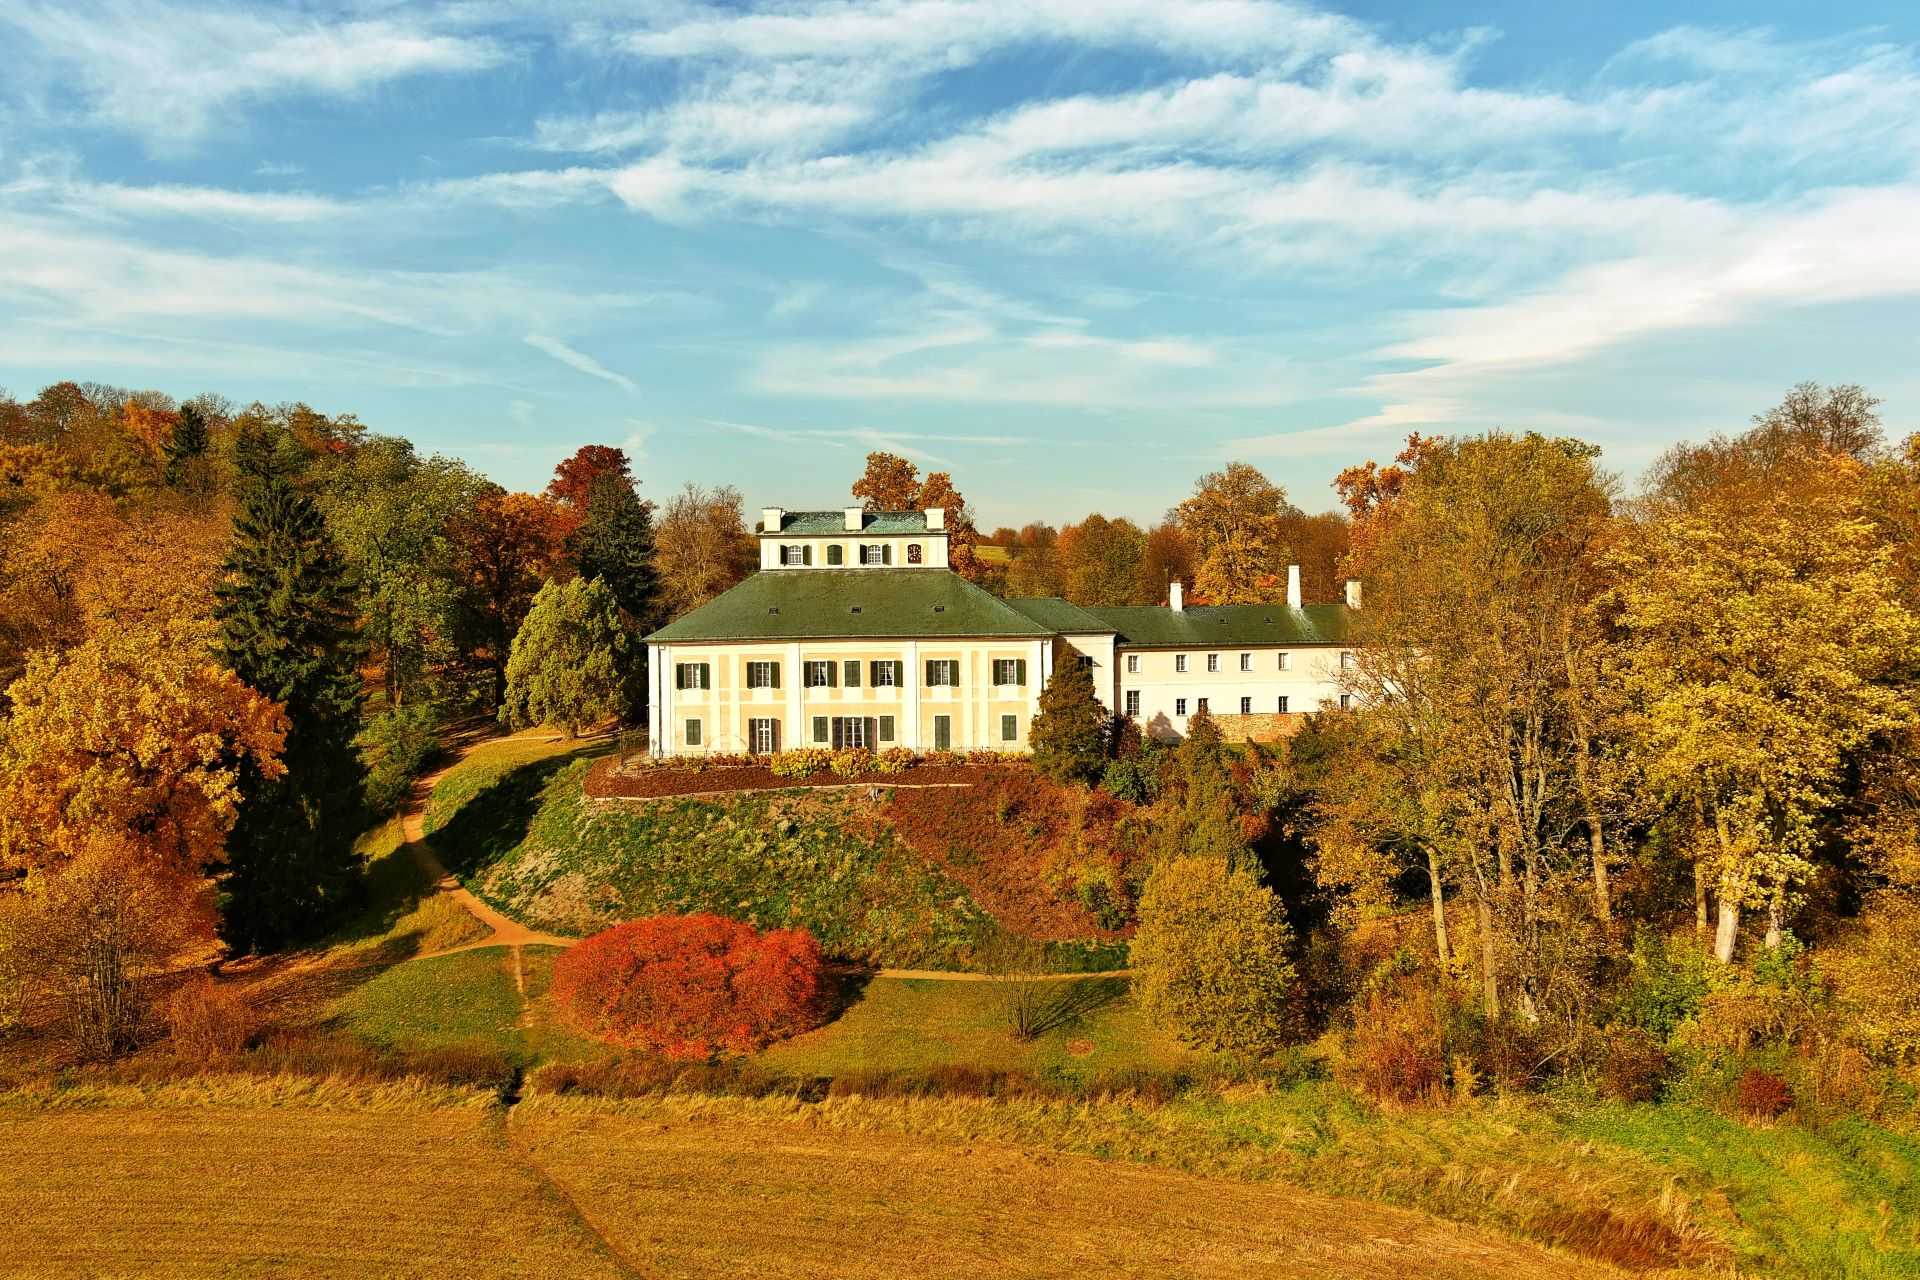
(1310, 682)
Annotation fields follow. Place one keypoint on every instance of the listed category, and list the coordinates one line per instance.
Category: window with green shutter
(820, 730)
(886, 729)
(943, 672)
(693, 733)
(1009, 728)
(850, 673)
(836, 554)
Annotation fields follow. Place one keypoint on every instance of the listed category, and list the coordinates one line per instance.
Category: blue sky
(1077, 253)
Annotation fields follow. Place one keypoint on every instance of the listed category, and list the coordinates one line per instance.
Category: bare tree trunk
(1434, 887)
(1589, 807)
(1489, 967)
(1699, 900)
(1774, 923)
(1729, 931)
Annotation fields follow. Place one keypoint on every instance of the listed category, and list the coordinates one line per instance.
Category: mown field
(563, 1190)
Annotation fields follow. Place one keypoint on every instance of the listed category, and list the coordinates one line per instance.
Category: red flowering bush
(691, 986)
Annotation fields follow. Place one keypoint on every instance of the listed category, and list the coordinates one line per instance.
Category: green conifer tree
(1069, 736)
(186, 451)
(288, 629)
(569, 659)
(615, 545)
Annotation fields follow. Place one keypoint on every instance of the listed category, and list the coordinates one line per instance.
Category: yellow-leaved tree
(1210, 956)
(1237, 521)
(134, 738)
(1765, 646)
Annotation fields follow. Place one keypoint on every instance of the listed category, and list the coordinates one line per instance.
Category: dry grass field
(296, 1189)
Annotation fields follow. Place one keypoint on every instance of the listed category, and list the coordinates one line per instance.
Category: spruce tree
(615, 545)
(569, 660)
(1069, 736)
(186, 451)
(287, 627)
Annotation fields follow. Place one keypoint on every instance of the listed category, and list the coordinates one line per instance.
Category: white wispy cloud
(580, 360)
(169, 72)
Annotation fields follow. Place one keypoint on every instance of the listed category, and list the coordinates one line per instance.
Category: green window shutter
(851, 675)
(806, 554)
(886, 729)
(1009, 728)
(679, 675)
(953, 672)
(1020, 671)
(774, 669)
(834, 554)
(819, 728)
(899, 673)
(931, 664)
(706, 675)
(886, 553)
(833, 674)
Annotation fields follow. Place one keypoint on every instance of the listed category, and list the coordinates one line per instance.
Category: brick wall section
(1259, 728)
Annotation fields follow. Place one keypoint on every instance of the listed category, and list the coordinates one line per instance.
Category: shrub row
(658, 1077)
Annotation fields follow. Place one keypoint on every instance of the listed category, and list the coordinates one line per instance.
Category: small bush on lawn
(691, 986)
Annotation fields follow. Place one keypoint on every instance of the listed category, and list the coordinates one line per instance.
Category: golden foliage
(1210, 956)
(135, 737)
(1237, 520)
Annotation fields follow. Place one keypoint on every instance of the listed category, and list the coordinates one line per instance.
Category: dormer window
(792, 554)
(875, 553)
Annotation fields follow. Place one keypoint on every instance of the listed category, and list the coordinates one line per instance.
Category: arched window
(913, 553)
(836, 554)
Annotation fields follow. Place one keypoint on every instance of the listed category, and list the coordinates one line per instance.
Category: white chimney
(1174, 602)
(1353, 593)
(770, 518)
(1293, 586)
(853, 515)
(936, 518)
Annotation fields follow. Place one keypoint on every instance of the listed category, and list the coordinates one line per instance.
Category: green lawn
(491, 785)
(911, 1024)
(465, 1000)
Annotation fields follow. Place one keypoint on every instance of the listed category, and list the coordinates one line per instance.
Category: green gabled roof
(820, 604)
(1058, 615)
(826, 524)
(1246, 625)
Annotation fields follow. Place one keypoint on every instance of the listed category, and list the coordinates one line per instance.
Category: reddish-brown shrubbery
(1762, 1094)
(691, 986)
(1398, 1049)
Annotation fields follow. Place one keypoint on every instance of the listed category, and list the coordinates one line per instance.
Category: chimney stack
(770, 518)
(1174, 602)
(853, 519)
(1353, 593)
(936, 519)
(1293, 586)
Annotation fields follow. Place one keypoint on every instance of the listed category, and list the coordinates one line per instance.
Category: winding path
(507, 932)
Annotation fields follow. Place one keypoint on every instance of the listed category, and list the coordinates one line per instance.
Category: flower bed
(609, 780)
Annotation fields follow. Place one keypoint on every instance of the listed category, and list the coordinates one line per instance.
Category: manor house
(857, 633)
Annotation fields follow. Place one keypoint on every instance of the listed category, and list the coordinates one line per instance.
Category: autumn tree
(1767, 648)
(570, 659)
(575, 476)
(1481, 571)
(1210, 956)
(1167, 558)
(1068, 738)
(1034, 569)
(288, 628)
(132, 739)
(891, 483)
(701, 547)
(1100, 561)
(394, 517)
(506, 545)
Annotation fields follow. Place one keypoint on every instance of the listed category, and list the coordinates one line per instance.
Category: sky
(1076, 253)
